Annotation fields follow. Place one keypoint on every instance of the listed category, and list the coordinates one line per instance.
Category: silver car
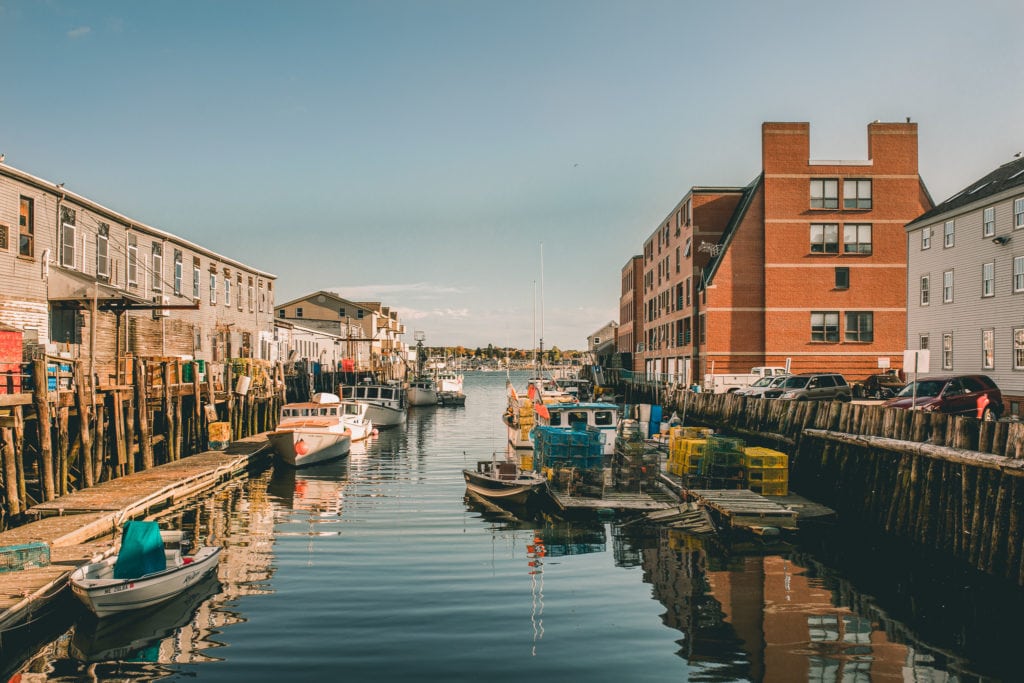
(762, 385)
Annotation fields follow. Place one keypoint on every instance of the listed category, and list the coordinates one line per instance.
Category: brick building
(631, 312)
(807, 263)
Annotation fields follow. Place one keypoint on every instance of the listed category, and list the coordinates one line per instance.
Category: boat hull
(518, 490)
(419, 396)
(105, 596)
(298, 448)
(385, 416)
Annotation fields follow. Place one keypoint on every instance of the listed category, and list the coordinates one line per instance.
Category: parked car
(762, 385)
(879, 386)
(813, 386)
(973, 395)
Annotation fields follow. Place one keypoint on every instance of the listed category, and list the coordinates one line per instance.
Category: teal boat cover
(142, 551)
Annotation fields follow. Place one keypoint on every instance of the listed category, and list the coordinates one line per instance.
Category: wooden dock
(742, 509)
(614, 500)
(70, 524)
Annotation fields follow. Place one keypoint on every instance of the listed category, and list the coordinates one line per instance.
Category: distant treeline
(492, 352)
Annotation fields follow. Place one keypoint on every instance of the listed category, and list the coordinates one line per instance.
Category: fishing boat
(519, 416)
(503, 480)
(422, 389)
(149, 568)
(385, 402)
(451, 398)
(314, 431)
(600, 417)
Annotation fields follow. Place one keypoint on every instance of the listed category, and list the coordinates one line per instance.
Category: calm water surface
(378, 568)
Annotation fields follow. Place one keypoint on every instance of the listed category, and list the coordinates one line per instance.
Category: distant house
(965, 282)
(85, 281)
(369, 333)
(602, 344)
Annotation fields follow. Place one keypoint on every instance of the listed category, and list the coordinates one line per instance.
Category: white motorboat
(422, 391)
(313, 431)
(449, 381)
(385, 402)
(503, 480)
(149, 568)
(603, 417)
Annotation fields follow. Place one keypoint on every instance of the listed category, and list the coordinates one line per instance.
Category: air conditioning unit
(161, 312)
(640, 347)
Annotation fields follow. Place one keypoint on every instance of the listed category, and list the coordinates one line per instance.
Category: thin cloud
(79, 32)
(412, 290)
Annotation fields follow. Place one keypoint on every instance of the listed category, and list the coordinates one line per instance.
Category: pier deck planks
(744, 509)
(612, 501)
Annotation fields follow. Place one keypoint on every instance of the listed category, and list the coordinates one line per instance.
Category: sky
(484, 167)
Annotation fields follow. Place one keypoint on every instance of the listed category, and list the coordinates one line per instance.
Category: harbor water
(379, 568)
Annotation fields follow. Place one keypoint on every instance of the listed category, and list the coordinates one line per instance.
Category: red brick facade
(806, 264)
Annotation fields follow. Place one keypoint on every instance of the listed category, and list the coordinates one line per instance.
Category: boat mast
(541, 304)
(536, 368)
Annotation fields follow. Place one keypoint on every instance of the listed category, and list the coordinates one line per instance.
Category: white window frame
(133, 263)
(926, 291)
(157, 267)
(179, 273)
(69, 235)
(820, 196)
(947, 350)
(197, 281)
(947, 287)
(822, 240)
(1018, 274)
(926, 238)
(1018, 213)
(1018, 348)
(923, 341)
(948, 234)
(213, 288)
(227, 291)
(988, 279)
(988, 349)
(988, 222)
(102, 254)
(857, 193)
(860, 241)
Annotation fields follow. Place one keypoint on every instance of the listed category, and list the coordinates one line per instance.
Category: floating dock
(615, 500)
(742, 509)
(69, 524)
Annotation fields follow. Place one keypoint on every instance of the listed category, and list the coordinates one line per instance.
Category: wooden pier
(71, 524)
(614, 500)
(744, 510)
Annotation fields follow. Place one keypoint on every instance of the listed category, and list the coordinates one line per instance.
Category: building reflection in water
(762, 617)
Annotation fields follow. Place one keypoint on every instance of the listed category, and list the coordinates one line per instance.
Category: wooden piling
(10, 470)
(84, 410)
(40, 400)
(142, 415)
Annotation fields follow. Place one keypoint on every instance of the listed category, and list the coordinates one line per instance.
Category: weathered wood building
(84, 281)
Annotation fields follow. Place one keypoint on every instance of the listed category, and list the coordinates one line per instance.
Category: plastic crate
(23, 556)
(765, 457)
(719, 444)
(771, 488)
(773, 474)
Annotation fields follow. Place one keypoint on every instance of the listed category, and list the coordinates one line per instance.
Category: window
(860, 326)
(238, 295)
(298, 312)
(825, 326)
(1018, 348)
(69, 232)
(179, 272)
(856, 194)
(988, 279)
(227, 290)
(947, 350)
(677, 259)
(261, 295)
(280, 314)
(947, 287)
(1018, 274)
(824, 238)
(133, 261)
(988, 222)
(825, 194)
(687, 246)
(926, 238)
(252, 296)
(3, 238)
(988, 349)
(842, 278)
(947, 231)
(922, 342)
(1018, 213)
(158, 266)
(857, 238)
(213, 288)
(102, 250)
(27, 228)
(925, 289)
(702, 328)
(197, 275)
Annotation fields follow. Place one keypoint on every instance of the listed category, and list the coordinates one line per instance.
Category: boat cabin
(603, 417)
(380, 394)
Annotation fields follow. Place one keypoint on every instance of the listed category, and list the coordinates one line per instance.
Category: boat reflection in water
(140, 636)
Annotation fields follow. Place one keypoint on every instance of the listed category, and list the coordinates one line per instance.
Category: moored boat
(315, 431)
(149, 568)
(503, 480)
(385, 402)
(602, 417)
(422, 391)
(451, 398)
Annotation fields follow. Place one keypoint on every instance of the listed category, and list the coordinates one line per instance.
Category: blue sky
(419, 153)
